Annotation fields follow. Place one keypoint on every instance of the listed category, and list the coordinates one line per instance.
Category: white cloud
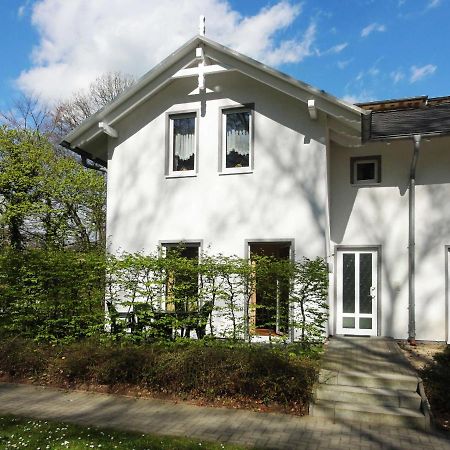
(433, 4)
(361, 97)
(82, 39)
(371, 28)
(397, 75)
(333, 50)
(290, 51)
(419, 73)
(344, 63)
(22, 10)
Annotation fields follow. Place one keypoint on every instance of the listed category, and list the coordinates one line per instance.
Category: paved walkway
(275, 431)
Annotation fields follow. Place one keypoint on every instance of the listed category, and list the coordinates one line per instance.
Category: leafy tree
(78, 204)
(47, 199)
(25, 159)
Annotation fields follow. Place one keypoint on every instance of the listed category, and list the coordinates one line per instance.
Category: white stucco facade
(283, 197)
(378, 216)
(299, 188)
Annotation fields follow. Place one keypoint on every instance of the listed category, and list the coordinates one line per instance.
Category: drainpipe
(412, 243)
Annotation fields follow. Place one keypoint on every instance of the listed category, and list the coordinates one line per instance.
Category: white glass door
(357, 292)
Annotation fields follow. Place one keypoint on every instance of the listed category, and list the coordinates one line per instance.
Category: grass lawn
(47, 435)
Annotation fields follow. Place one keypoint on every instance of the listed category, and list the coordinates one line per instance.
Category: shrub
(195, 369)
(59, 296)
(172, 296)
(22, 358)
(437, 380)
(52, 296)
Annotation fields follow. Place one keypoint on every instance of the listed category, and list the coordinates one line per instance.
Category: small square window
(237, 130)
(182, 144)
(365, 170)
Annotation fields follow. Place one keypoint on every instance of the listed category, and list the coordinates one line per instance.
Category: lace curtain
(183, 143)
(238, 133)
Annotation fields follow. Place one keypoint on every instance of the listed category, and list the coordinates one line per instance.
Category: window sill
(182, 175)
(236, 172)
(368, 184)
(267, 332)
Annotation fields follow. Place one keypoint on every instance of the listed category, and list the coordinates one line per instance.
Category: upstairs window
(182, 144)
(365, 170)
(237, 142)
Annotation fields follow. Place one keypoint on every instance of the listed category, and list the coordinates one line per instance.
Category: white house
(214, 149)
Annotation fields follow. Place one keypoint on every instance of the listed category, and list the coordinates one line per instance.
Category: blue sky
(360, 50)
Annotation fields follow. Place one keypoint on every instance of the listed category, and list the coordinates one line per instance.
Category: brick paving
(252, 429)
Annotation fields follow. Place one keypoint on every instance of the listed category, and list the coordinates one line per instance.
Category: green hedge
(60, 296)
(51, 295)
(196, 369)
(202, 293)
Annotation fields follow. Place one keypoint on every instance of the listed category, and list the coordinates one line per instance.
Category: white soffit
(181, 64)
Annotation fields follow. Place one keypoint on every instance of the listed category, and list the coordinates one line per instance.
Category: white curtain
(183, 145)
(238, 140)
(184, 137)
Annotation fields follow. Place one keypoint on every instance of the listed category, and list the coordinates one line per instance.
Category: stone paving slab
(252, 429)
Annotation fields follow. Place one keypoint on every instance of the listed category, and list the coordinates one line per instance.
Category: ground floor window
(269, 304)
(181, 276)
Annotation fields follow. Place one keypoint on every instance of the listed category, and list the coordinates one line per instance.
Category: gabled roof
(88, 139)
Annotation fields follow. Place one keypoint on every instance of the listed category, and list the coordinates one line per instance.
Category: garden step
(369, 396)
(375, 414)
(359, 365)
(373, 379)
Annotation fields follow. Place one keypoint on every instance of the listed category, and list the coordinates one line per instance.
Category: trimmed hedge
(52, 295)
(59, 296)
(196, 369)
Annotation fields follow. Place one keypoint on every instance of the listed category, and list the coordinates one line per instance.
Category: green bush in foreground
(53, 295)
(60, 296)
(194, 369)
(39, 434)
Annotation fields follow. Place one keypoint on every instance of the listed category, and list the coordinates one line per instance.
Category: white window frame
(354, 161)
(170, 173)
(223, 141)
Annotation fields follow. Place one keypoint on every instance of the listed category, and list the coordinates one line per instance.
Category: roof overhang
(343, 119)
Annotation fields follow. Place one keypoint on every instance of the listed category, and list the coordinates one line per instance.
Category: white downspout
(412, 243)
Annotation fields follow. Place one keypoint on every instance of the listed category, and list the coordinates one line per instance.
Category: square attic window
(365, 170)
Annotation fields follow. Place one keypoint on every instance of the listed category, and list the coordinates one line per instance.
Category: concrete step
(362, 366)
(346, 358)
(374, 414)
(369, 396)
(384, 380)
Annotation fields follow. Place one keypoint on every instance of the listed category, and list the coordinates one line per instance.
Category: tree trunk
(15, 235)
